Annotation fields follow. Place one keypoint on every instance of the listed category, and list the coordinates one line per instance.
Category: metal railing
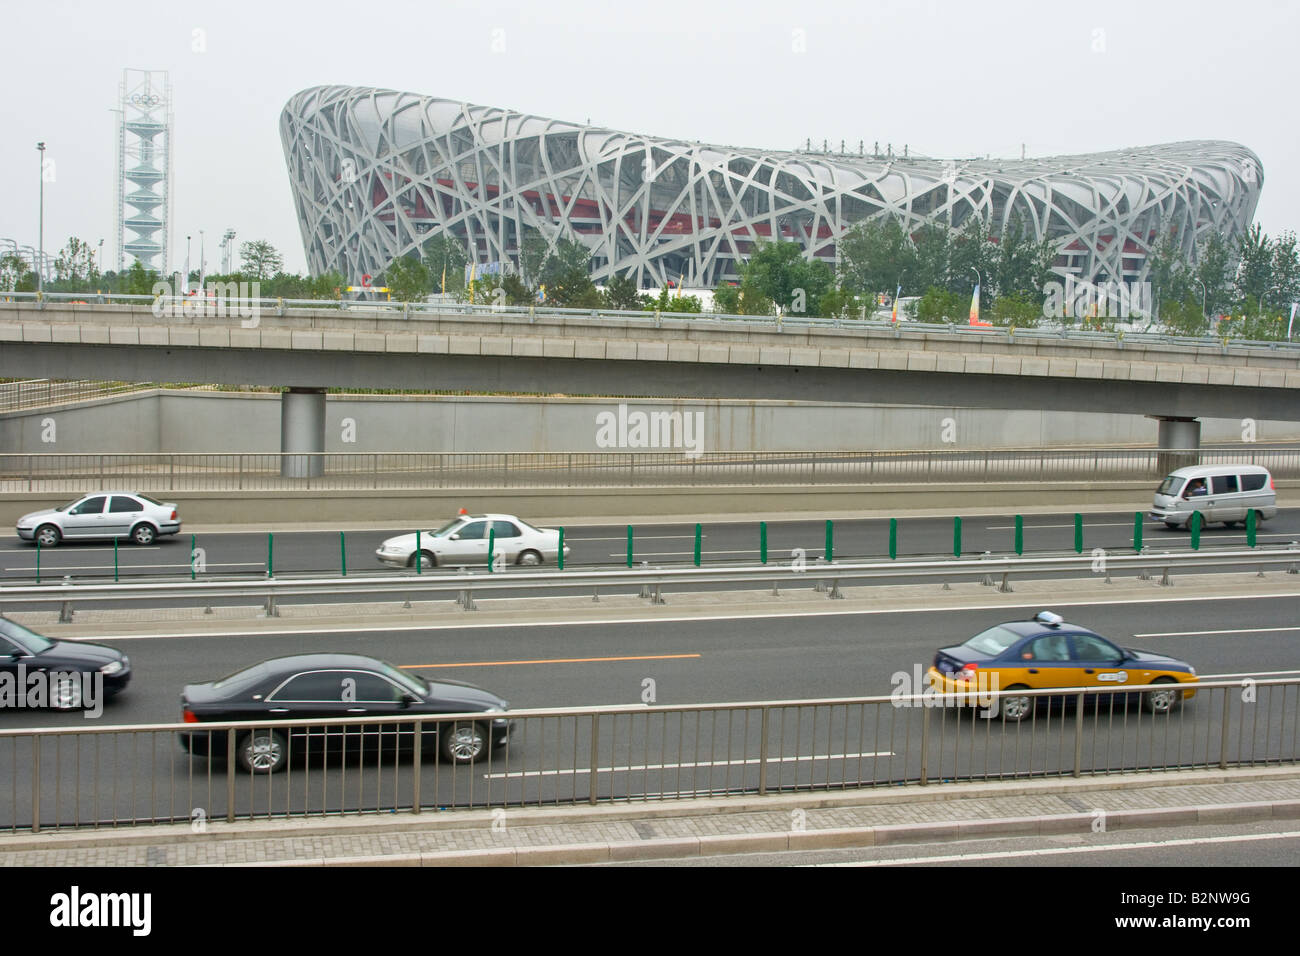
(38, 392)
(95, 776)
(361, 471)
(452, 311)
(651, 582)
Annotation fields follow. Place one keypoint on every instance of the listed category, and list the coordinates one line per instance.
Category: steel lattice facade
(376, 173)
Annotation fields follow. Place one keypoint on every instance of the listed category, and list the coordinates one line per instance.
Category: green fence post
(956, 537)
(698, 535)
(270, 567)
(492, 543)
(1252, 524)
(559, 561)
(193, 539)
(419, 562)
(38, 562)
(1137, 531)
(343, 555)
(830, 541)
(1020, 534)
(893, 538)
(1078, 534)
(762, 542)
(1194, 525)
(115, 560)
(629, 546)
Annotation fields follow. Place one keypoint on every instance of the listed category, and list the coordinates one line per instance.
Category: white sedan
(463, 542)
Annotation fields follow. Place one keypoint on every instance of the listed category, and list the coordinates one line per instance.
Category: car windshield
(416, 685)
(148, 499)
(454, 523)
(32, 641)
(241, 680)
(1170, 486)
(67, 506)
(993, 641)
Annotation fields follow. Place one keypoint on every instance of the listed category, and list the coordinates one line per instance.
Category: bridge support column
(302, 432)
(1179, 439)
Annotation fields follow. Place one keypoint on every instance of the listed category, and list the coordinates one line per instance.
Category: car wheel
(1162, 701)
(67, 693)
(144, 534)
(262, 751)
(47, 536)
(464, 742)
(1016, 709)
(530, 558)
(427, 560)
(1171, 525)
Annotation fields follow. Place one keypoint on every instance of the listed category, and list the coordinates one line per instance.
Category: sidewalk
(689, 828)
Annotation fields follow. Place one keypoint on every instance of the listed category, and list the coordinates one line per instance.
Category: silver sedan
(101, 515)
(464, 541)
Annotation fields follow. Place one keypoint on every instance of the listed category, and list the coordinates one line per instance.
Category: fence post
(595, 757)
(830, 541)
(193, 555)
(1020, 534)
(762, 542)
(230, 774)
(893, 538)
(492, 543)
(956, 537)
(1078, 533)
(1223, 739)
(419, 556)
(697, 544)
(343, 555)
(38, 562)
(560, 557)
(270, 567)
(36, 784)
(762, 753)
(115, 560)
(925, 745)
(1252, 523)
(1137, 532)
(1078, 734)
(1194, 525)
(629, 546)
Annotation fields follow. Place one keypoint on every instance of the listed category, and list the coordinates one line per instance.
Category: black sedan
(37, 671)
(338, 685)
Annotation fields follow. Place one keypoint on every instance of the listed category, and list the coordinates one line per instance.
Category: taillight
(187, 716)
(967, 672)
(173, 517)
(1270, 483)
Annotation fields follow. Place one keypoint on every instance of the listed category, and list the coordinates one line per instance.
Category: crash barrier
(87, 776)
(495, 560)
(71, 474)
(651, 582)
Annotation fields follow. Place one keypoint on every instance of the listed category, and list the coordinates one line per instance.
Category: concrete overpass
(311, 349)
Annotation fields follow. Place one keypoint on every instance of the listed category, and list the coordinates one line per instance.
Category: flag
(1294, 306)
(681, 281)
(896, 295)
(444, 278)
(975, 306)
(541, 294)
(471, 283)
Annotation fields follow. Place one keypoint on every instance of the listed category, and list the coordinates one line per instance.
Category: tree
(139, 280)
(1255, 266)
(940, 305)
(1024, 266)
(1184, 317)
(1214, 271)
(260, 260)
(1022, 311)
(444, 255)
(13, 269)
(621, 293)
(1284, 287)
(973, 249)
(1168, 272)
(517, 291)
(932, 246)
(877, 256)
(780, 273)
(566, 273)
(407, 279)
(75, 262)
(839, 303)
(741, 299)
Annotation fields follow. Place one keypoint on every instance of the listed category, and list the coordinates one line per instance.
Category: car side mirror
(16, 655)
(453, 537)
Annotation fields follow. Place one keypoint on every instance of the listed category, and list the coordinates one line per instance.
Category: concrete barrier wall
(180, 421)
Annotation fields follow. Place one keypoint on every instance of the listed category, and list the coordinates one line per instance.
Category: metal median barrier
(653, 583)
(364, 471)
(114, 776)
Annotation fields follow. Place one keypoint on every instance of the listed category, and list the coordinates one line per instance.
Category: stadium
(376, 173)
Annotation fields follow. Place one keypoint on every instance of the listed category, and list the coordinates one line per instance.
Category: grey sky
(950, 79)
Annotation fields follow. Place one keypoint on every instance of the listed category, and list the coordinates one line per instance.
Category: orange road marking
(557, 660)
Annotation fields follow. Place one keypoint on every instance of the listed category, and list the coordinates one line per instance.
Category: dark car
(1049, 652)
(71, 670)
(338, 685)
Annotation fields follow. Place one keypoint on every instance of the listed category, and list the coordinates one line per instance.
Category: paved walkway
(705, 827)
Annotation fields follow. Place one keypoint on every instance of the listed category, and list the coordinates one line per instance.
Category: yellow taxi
(1046, 652)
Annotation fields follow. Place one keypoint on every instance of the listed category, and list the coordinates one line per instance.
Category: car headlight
(113, 667)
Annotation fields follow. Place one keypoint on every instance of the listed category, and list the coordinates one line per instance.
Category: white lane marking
(573, 539)
(55, 569)
(1228, 630)
(1042, 527)
(672, 554)
(67, 550)
(642, 768)
(1057, 851)
(1248, 674)
(605, 622)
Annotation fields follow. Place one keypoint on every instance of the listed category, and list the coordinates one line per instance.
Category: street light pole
(40, 241)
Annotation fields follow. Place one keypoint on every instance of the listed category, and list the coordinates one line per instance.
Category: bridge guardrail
(105, 775)
(359, 471)
(445, 310)
(652, 582)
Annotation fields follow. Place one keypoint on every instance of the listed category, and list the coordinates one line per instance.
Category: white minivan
(1223, 493)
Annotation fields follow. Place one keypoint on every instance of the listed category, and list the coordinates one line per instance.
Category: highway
(558, 665)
